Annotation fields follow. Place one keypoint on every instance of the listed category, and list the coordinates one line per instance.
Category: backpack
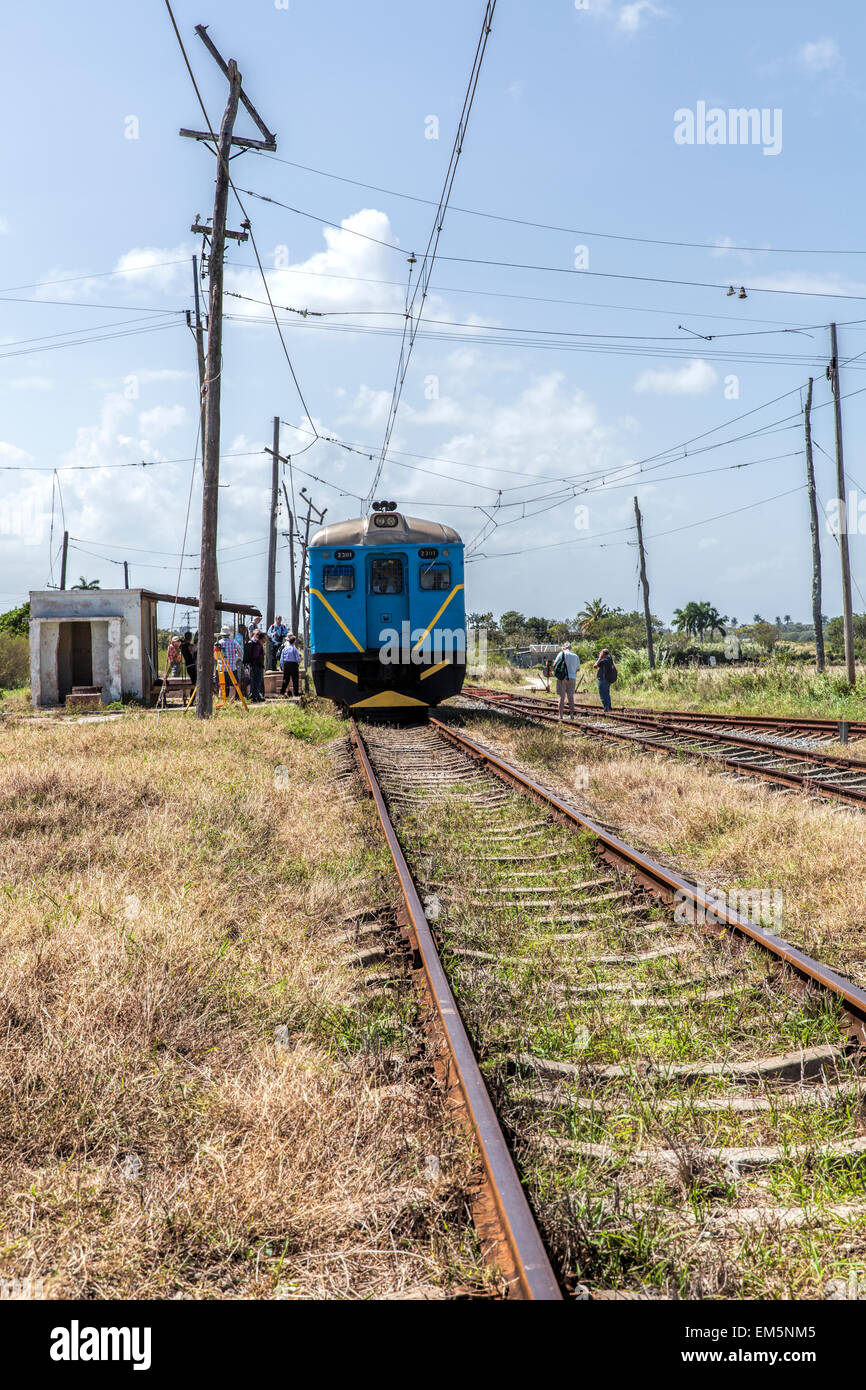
(613, 672)
(560, 669)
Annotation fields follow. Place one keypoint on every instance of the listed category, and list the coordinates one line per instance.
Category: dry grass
(725, 833)
(199, 1097)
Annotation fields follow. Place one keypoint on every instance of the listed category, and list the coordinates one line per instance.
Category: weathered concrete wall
(115, 617)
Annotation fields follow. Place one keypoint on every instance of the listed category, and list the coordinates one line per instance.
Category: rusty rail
(534, 1272)
(655, 874)
(773, 723)
(543, 711)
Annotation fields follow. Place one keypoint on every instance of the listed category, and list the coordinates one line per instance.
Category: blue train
(387, 612)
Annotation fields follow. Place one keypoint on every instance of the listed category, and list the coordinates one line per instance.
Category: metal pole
(210, 490)
(63, 560)
(847, 608)
(126, 574)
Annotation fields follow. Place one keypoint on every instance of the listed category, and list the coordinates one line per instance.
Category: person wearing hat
(565, 668)
(277, 633)
(290, 664)
(174, 655)
(254, 660)
(232, 654)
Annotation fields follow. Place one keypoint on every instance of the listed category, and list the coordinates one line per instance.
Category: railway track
(677, 1091)
(781, 725)
(789, 763)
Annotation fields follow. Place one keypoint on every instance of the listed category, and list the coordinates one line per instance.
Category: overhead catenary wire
(413, 316)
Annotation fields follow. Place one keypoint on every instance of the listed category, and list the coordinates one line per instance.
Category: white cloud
(161, 419)
(10, 453)
(515, 91)
(31, 383)
(821, 55)
(693, 379)
(632, 17)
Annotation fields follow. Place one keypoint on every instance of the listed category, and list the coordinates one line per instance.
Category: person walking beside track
(607, 673)
(290, 663)
(254, 658)
(565, 668)
(277, 633)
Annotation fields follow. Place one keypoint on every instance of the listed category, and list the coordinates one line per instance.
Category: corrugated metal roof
(410, 530)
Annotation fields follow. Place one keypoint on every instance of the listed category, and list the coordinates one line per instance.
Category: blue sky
(573, 126)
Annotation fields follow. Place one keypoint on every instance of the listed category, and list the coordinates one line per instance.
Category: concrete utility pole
(272, 534)
(645, 583)
(816, 535)
(847, 608)
(217, 233)
(63, 559)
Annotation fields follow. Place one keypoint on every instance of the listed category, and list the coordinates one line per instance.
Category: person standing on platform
(254, 659)
(290, 664)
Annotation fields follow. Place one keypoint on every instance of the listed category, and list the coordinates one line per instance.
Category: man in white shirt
(569, 662)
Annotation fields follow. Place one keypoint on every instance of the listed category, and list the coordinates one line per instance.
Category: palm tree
(86, 583)
(688, 619)
(592, 613)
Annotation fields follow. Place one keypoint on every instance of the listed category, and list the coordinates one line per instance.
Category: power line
(413, 316)
(570, 231)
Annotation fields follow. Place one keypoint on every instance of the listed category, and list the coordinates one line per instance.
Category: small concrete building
(104, 638)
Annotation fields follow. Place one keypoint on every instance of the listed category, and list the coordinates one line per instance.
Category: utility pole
(645, 583)
(320, 516)
(126, 574)
(217, 233)
(272, 534)
(291, 540)
(816, 535)
(847, 609)
(63, 560)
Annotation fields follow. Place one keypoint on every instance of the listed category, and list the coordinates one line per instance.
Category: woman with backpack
(565, 668)
(607, 674)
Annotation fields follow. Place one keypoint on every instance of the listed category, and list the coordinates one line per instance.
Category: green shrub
(14, 661)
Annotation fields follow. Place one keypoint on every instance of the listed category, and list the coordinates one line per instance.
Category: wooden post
(126, 574)
(645, 583)
(270, 607)
(63, 559)
(211, 458)
(816, 535)
(847, 608)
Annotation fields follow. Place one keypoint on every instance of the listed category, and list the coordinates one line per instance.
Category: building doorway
(74, 657)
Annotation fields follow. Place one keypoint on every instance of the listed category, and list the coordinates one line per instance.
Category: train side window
(338, 579)
(386, 576)
(435, 577)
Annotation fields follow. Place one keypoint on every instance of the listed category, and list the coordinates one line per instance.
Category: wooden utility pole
(217, 233)
(211, 452)
(305, 600)
(816, 535)
(847, 608)
(126, 574)
(292, 572)
(645, 583)
(291, 538)
(271, 604)
(63, 559)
